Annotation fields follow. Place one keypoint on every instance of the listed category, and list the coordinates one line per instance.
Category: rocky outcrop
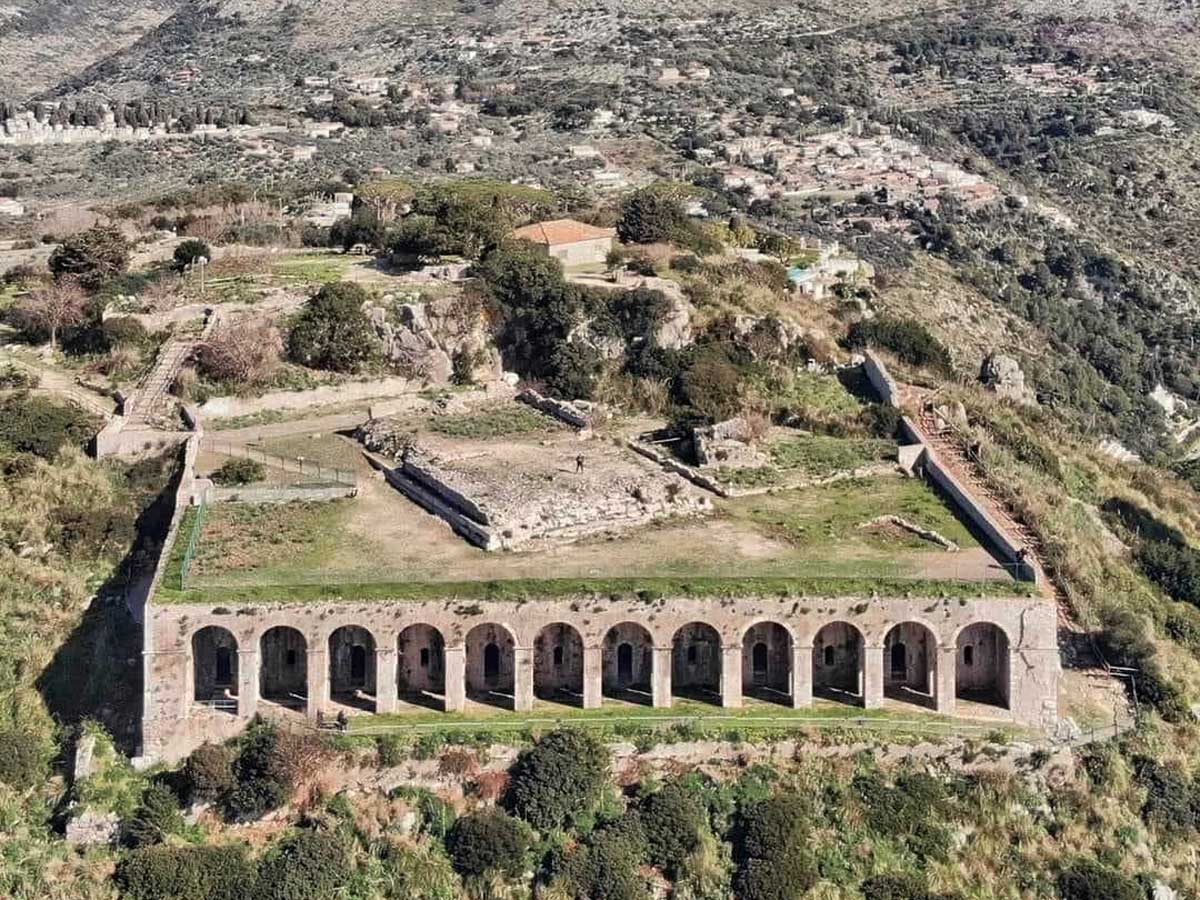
(423, 338)
(1002, 375)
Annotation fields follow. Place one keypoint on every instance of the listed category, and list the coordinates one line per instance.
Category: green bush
(239, 471)
(489, 841)
(651, 215)
(558, 779)
(186, 873)
(419, 872)
(1086, 879)
(908, 339)
(208, 773)
(261, 785)
(156, 817)
(607, 867)
(897, 887)
(573, 369)
(712, 386)
(1169, 797)
(391, 749)
(774, 859)
(40, 426)
(189, 251)
(92, 256)
(123, 331)
(673, 820)
(23, 759)
(333, 332)
(311, 865)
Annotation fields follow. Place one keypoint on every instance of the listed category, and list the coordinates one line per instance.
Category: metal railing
(189, 552)
(312, 470)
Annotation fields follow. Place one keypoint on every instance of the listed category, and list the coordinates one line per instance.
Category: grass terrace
(813, 541)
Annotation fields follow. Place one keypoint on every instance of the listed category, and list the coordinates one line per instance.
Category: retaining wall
(881, 379)
(226, 407)
(284, 494)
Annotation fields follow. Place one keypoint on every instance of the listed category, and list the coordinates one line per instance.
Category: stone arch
(627, 662)
(491, 662)
(352, 675)
(983, 665)
(767, 662)
(838, 661)
(558, 662)
(910, 663)
(696, 661)
(420, 661)
(283, 666)
(215, 668)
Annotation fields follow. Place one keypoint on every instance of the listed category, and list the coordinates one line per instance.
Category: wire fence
(866, 723)
(311, 471)
(189, 552)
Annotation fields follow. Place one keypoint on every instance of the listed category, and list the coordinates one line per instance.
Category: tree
(558, 779)
(92, 256)
(53, 308)
(489, 841)
(189, 252)
(651, 215)
(311, 865)
(333, 332)
(208, 773)
(1086, 879)
(711, 386)
(775, 862)
(155, 818)
(673, 820)
(186, 873)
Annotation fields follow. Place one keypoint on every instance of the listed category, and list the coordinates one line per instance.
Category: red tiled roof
(561, 231)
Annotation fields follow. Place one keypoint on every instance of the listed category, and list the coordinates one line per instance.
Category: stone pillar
(247, 699)
(522, 679)
(944, 679)
(731, 677)
(593, 677)
(660, 686)
(802, 667)
(385, 679)
(871, 676)
(318, 681)
(455, 661)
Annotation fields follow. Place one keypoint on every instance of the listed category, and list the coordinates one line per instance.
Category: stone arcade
(210, 668)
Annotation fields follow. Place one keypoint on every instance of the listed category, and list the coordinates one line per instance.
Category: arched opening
(283, 667)
(491, 672)
(838, 663)
(767, 662)
(214, 668)
(696, 663)
(627, 663)
(421, 666)
(983, 665)
(352, 668)
(910, 671)
(558, 664)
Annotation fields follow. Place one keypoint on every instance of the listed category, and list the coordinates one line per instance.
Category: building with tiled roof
(573, 243)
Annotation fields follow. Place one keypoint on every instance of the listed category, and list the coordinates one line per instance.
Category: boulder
(91, 828)
(1002, 375)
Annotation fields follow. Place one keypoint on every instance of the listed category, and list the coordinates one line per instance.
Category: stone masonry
(210, 668)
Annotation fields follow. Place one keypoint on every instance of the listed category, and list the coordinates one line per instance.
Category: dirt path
(55, 382)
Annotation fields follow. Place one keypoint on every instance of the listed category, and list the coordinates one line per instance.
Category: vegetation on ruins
(91, 256)
(333, 332)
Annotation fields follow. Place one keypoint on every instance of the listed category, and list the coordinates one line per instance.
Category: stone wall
(226, 407)
(881, 379)
(503, 652)
(282, 494)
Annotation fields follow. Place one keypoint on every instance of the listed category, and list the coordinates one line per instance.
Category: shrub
(896, 887)
(41, 426)
(261, 786)
(1168, 803)
(333, 332)
(711, 386)
(908, 339)
(189, 251)
(608, 866)
(1086, 879)
(208, 773)
(673, 820)
(391, 749)
(92, 256)
(463, 367)
(775, 862)
(310, 865)
(123, 331)
(489, 841)
(560, 778)
(419, 873)
(573, 369)
(246, 354)
(639, 313)
(186, 873)
(156, 817)
(23, 759)
(239, 471)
